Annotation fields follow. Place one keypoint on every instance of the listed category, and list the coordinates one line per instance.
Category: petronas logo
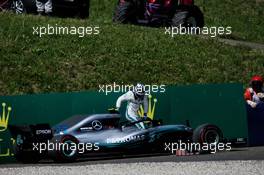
(4, 117)
(151, 108)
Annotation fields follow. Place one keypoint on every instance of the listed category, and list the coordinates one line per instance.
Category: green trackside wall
(220, 104)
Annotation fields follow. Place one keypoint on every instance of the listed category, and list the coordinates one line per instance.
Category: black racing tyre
(125, 12)
(207, 133)
(65, 154)
(25, 156)
(84, 10)
(188, 16)
(23, 6)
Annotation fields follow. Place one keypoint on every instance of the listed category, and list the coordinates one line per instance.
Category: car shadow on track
(246, 153)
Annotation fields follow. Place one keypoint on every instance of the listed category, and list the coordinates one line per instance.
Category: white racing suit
(44, 6)
(133, 106)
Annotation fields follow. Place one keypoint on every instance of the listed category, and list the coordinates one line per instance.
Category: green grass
(244, 16)
(121, 53)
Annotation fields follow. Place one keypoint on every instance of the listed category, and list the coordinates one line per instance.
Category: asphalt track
(246, 153)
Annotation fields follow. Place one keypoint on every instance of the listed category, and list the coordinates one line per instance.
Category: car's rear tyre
(125, 12)
(20, 155)
(188, 16)
(66, 154)
(27, 157)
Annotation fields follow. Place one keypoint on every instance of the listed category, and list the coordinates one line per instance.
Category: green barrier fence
(220, 104)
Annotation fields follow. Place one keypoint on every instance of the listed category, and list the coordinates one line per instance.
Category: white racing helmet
(139, 91)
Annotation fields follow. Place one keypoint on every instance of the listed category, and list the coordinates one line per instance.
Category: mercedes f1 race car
(63, 8)
(100, 135)
(159, 13)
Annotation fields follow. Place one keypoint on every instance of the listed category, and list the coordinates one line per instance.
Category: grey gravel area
(211, 167)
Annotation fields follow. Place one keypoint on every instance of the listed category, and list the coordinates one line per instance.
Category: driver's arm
(248, 98)
(122, 98)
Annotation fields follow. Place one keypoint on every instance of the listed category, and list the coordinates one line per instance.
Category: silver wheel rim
(212, 136)
(17, 6)
(69, 152)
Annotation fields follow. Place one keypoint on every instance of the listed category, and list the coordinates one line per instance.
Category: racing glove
(113, 111)
(145, 116)
(252, 104)
(260, 95)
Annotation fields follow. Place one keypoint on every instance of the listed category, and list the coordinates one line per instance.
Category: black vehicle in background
(62, 8)
(159, 12)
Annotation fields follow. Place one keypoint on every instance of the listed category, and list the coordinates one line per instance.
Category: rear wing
(32, 133)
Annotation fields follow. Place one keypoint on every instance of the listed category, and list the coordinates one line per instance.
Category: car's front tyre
(207, 134)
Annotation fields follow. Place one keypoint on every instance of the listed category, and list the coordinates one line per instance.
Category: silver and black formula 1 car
(62, 8)
(98, 135)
